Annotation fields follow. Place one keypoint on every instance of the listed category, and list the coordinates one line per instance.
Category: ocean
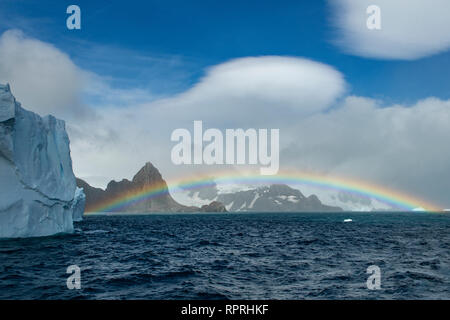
(235, 256)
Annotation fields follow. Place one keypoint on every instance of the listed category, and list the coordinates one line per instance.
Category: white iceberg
(37, 184)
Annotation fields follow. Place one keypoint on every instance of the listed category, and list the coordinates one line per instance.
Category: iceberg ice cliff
(38, 193)
(79, 201)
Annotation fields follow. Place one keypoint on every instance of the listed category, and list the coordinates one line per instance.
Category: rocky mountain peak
(147, 178)
(148, 175)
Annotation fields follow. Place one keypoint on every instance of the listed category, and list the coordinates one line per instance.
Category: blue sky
(164, 46)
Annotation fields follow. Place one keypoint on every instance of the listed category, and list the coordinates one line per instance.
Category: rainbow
(396, 199)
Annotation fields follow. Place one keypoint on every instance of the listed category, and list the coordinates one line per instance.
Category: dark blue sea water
(235, 256)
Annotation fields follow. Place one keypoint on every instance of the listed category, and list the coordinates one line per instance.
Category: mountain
(272, 198)
(147, 179)
(38, 192)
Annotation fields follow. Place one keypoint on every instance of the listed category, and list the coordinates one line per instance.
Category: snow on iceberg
(37, 185)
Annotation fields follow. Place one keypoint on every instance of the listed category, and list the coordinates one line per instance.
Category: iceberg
(38, 192)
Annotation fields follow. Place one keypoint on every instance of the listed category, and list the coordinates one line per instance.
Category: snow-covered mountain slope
(272, 198)
(37, 184)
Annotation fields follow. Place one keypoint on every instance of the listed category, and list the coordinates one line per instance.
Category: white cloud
(46, 80)
(303, 85)
(410, 29)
